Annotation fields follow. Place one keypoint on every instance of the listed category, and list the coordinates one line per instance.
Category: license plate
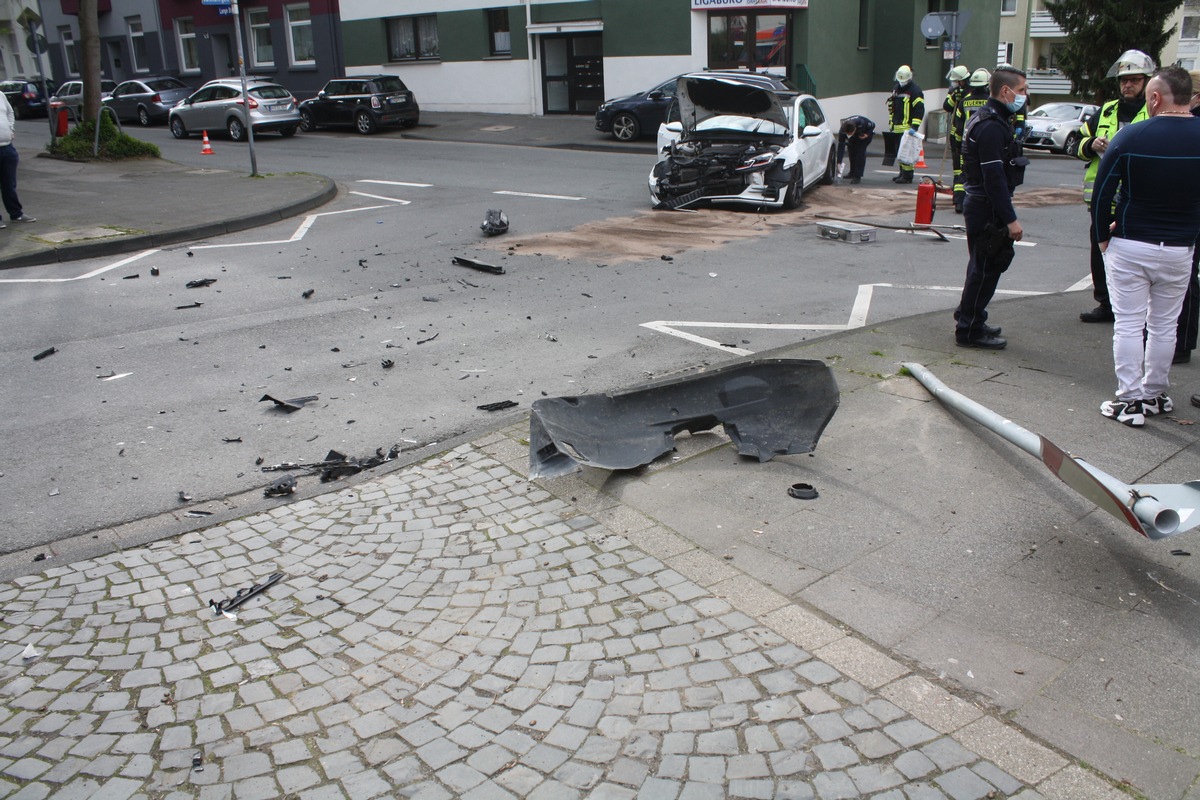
(400, 98)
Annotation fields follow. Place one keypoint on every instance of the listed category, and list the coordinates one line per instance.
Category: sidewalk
(946, 620)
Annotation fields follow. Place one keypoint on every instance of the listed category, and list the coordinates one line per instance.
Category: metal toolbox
(846, 232)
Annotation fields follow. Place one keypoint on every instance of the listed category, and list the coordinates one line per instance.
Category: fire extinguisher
(926, 202)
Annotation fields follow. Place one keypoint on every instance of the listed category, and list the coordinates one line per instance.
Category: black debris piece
(1180, 553)
(190, 253)
(232, 439)
(155, 272)
(430, 299)
(307, 293)
(40, 557)
(338, 465)
(430, 339)
(362, 262)
(802, 491)
(198, 763)
(500, 406)
(195, 512)
(281, 488)
(768, 407)
(49, 351)
(387, 363)
(335, 349)
(190, 305)
(131, 277)
(288, 406)
(667, 258)
(201, 283)
(283, 277)
(243, 595)
(494, 223)
(479, 265)
(258, 461)
(184, 497)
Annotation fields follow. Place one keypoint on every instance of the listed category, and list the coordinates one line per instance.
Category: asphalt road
(180, 411)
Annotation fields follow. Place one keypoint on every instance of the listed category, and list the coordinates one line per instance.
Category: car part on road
(281, 488)
(200, 284)
(245, 594)
(338, 465)
(495, 222)
(500, 406)
(131, 277)
(768, 407)
(190, 305)
(802, 491)
(49, 351)
(479, 265)
(288, 406)
(1156, 511)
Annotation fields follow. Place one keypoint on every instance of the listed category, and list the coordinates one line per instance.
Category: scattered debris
(667, 258)
(47, 352)
(430, 339)
(479, 265)
(802, 491)
(232, 439)
(131, 277)
(430, 299)
(337, 465)
(197, 759)
(29, 653)
(288, 406)
(280, 488)
(494, 223)
(184, 497)
(196, 512)
(201, 283)
(190, 253)
(500, 406)
(192, 305)
(307, 293)
(387, 363)
(40, 557)
(768, 407)
(258, 461)
(1180, 553)
(362, 262)
(54, 493)
(244, 594)
(283, 277)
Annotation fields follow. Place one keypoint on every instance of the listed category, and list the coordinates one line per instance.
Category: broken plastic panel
(288, 406)
(769, 407)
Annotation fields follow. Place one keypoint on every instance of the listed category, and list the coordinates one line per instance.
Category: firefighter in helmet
(958, 90)
(906, 109)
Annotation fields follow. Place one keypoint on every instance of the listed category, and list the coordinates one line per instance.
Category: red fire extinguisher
(926, 202)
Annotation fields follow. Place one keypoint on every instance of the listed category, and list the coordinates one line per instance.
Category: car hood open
(703, 98)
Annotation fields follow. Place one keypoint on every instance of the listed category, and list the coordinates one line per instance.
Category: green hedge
(114, 146)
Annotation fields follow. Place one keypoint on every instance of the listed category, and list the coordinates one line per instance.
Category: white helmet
(1132, 62)
(958, 73)
(980, 77)
(904, 75)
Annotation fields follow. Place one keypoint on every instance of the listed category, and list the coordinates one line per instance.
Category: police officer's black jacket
(993, 164)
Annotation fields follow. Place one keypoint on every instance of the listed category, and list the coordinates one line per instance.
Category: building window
(753, 41)
(70, 53)
(500, 40)
(1004, 54)
(1190, 29)
(1008, 6)
(300, 38)
(262, 51)
(864, 24)
(189, 53)
(137, 44)
(412, 38)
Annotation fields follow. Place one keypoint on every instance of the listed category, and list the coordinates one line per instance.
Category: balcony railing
(1043, 26)
(1048, 81)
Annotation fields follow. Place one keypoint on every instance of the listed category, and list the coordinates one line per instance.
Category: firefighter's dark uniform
(950, 106)
(906, 109)
(975, 99)
(856, 144)
(993, 166)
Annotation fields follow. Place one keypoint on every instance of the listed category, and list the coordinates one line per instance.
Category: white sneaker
(1126, 412)
(1157, 405)
(24, 218)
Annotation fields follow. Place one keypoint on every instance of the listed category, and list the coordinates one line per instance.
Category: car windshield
(729, 122)
(1057, 111)
(270, 92)
(390, 85)
(165, 84)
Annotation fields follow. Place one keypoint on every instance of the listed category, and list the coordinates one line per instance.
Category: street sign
(215, 2)
(225, 11)
(951, 50)
(36, 42)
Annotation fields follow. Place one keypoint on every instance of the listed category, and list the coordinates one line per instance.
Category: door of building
(572, 73)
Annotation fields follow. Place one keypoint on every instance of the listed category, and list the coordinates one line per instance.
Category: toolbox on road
(846, 232)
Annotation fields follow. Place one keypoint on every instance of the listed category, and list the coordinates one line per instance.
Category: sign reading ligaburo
(707, 4)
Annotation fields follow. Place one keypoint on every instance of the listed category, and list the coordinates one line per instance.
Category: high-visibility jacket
(1101, 124)
(953, 98)
(906, 107)
(972, 101)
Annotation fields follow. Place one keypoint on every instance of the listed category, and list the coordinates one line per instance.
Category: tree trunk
(89, 36)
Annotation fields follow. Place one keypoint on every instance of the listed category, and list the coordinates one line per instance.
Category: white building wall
(490, 87)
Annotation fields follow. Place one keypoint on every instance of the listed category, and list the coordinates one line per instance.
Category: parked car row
(25, 96)
(364, 103)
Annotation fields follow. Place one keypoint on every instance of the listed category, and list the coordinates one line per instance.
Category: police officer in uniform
(993, 166)
(856, 134)
(975, 98)
(1133, 69)
(906, 109)
(958, 90)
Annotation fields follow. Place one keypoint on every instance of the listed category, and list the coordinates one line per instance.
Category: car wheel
(1071, 145)
(364, 123)
(143, 117)
(178, 130)
(307, 123)
(237, 130)
(830, 168)
(625, 127)
(288, 132)
(795, 189)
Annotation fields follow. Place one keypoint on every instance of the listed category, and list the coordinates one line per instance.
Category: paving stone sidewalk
(452, 630)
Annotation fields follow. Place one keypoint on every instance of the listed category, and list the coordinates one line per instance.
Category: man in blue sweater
(1152, 170)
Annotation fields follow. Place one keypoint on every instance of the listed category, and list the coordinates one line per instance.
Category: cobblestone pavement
(451, 630)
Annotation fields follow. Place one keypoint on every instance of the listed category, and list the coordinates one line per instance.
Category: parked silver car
(219, 105)
(148, 100)
(70, 96)
(1055, 126)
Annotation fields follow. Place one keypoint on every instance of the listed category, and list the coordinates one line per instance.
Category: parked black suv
(364, 101)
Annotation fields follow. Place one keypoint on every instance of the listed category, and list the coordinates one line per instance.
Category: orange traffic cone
(206, 150)
(920, 160)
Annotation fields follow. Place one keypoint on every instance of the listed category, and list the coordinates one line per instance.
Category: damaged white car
(736, 140)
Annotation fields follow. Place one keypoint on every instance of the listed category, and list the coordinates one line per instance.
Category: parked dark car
(364, 101)
(629, 117)
(148, 100)
(25, 96)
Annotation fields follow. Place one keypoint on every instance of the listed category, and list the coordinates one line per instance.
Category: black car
(627, 118)
(364, 101)
(25, 96)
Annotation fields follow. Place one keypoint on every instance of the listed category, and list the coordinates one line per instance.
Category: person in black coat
(857, 133)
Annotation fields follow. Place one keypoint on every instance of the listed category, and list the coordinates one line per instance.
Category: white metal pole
(237, 34)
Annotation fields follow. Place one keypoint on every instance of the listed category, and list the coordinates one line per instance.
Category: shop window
(412, 38)
(751, 41)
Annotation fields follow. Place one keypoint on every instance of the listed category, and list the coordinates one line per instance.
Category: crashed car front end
(752, 173)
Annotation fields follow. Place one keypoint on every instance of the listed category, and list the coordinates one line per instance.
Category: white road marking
(381, 197)
(1079, 286)
(91, 274)
(858, 318)
(397, 183)
(543, 196)
(116, 377)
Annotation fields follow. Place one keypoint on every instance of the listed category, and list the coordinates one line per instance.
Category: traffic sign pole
(237, 34)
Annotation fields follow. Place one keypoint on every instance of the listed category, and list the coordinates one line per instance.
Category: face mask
(1017, 104)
